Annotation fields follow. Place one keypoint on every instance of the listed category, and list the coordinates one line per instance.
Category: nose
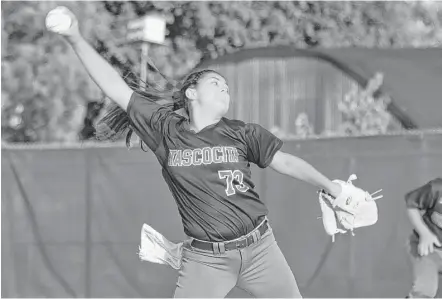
(225, 88)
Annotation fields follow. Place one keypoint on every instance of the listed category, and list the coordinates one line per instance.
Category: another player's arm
(415, 216)
(418, 202)
(299, 169)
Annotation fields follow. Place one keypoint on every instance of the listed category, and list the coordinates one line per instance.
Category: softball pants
(425, 271)
(259, 269)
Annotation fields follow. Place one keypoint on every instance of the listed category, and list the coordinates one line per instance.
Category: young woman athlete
(205, 161)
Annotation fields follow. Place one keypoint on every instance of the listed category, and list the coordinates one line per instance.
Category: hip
(261, 233)
(222, 228)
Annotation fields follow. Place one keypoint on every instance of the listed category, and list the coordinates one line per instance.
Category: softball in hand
(59, 20)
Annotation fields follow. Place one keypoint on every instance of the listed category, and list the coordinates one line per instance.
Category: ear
(191, 93)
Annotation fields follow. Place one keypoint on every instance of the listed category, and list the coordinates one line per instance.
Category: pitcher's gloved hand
(353, 208)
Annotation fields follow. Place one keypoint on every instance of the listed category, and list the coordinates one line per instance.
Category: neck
(199, 121)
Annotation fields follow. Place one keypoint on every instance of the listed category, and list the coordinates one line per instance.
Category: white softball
(58, 20)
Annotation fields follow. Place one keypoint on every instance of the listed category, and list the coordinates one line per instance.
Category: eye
(215, 82)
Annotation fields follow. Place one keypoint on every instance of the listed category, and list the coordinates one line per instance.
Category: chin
(224, 110)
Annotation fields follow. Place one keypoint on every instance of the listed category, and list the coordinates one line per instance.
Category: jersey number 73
(230, 176)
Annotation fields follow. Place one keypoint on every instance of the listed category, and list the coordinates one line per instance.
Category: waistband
(241, 242)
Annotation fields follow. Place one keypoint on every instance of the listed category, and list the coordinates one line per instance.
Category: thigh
(266, 272)
(425, 273)
(205, 275)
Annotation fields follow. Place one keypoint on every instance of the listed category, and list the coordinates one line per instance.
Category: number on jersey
(231, 176)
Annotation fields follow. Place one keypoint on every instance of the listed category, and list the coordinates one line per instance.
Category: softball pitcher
(205, 161)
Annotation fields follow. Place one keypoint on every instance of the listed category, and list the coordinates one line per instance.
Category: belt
(239, 243)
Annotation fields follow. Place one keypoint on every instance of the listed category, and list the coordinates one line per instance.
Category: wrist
(74, 40)
(423, 231)
(335, 189)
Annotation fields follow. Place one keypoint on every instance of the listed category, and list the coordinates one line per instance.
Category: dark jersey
(428, 198)
(207, 172)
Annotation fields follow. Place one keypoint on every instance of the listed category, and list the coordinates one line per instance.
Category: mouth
(226, 96)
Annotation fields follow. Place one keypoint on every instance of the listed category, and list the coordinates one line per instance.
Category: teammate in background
(424, 206)
(205, 161)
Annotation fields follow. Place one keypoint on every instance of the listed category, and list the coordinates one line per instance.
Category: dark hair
(115, 123)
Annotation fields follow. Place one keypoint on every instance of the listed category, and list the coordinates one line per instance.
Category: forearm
(417, 221)
(104, 75)
(302, 170)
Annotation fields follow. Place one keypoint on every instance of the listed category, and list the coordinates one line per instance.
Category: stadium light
(149, 29)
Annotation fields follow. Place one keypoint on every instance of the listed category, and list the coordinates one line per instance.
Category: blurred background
(48, 97)
(352, 87)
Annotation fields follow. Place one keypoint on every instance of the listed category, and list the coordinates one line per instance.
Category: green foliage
(45, 89)
(362, 112)
(44, 86)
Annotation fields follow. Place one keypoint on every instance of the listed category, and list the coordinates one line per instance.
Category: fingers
(430, 248)
(68, 12)
(437, 243)
(423, 249)
(62, 9)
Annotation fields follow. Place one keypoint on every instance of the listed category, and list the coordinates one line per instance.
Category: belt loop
(188, 242)
(222, 248)
(255, 236)
(215, 248)
(258, 234)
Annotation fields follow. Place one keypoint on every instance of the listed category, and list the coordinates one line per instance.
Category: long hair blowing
(115, 123)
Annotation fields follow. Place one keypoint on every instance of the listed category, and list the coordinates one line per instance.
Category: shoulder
(234, 124)
(238, 125)
(436, 185)
(246, 130)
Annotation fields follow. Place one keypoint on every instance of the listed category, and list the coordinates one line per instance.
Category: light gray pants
(425, 271)
(259, 269)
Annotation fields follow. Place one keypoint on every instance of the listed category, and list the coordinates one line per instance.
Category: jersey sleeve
(424, 197)
(149, 120)
(261, 145)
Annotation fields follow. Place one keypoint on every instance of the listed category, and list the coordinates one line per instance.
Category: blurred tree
(92, 113)
(45, 89)
(201, 30)
(363, 113)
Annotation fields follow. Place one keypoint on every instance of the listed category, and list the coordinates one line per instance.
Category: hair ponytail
(115, 123)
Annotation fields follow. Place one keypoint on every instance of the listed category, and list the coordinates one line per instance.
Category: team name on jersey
(203, 156)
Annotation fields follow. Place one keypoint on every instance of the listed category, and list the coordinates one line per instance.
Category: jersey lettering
(206, 156)
(217, 154)
(197, 157)
(232, 177)
(187, 157)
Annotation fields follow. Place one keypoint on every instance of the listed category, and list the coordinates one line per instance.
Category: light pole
(149, 29)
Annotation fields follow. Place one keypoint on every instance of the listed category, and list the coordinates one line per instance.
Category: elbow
(280, 163)
(287, 165)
